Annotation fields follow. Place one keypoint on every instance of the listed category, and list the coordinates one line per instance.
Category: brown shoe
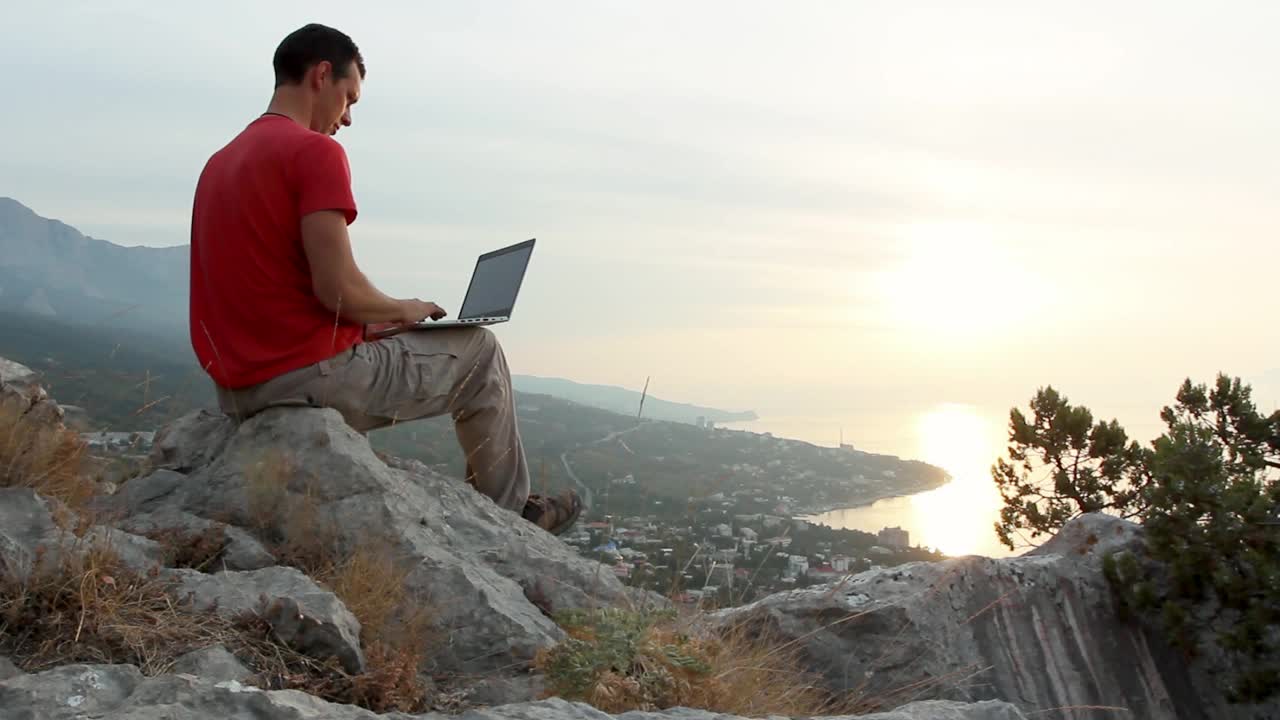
(553, 514)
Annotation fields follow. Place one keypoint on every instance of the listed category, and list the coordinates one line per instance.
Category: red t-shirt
(253, 312)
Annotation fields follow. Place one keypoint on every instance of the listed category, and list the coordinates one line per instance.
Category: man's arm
(341, 286)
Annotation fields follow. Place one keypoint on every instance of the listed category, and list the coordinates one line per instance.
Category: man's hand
(412, 311)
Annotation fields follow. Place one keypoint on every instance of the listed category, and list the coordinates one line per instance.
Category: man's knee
(485, 339)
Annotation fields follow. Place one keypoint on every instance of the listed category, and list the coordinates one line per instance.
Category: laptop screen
(496, 282)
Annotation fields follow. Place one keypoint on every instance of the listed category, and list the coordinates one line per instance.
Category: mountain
(624, 401)
(50, 269)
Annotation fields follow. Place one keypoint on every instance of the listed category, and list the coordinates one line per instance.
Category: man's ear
(320, 74)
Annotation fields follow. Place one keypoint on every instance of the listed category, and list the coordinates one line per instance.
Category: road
(583, 491)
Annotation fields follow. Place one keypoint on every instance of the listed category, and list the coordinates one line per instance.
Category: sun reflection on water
(958, 517)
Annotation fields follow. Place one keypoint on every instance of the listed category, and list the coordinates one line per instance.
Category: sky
(838, 214)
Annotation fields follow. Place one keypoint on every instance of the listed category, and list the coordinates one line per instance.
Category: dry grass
(87, 606)
(184, 549)
(367, 576)
(47, 459)
(620, 660)
(395, 627)
(267, 489)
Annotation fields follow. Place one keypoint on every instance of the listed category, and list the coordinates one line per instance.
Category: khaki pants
(459, 371)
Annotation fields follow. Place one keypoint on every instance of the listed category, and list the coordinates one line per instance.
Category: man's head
(324, 66)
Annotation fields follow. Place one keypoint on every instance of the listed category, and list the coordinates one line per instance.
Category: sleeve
(324, 179)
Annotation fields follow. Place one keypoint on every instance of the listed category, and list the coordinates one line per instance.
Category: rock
(502, 690)
(141, 492)
(191, 441)
(1040, 631)
(138, 553)
(72, 692)
(8, 669)
(16, 375)
(20, 389)
(76, 418)
(924, 710)
(470, 561)
(243, 551)
(32, 526)
(212, 664)
(240, 550)
(309, 618)
(1092, 535)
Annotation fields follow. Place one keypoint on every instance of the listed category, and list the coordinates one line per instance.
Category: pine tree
(1207, 495)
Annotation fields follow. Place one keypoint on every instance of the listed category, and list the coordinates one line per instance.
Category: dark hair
(312, 44)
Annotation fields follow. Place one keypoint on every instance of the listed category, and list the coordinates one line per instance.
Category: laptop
(491, 296)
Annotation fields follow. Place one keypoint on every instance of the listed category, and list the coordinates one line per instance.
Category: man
(281, 315)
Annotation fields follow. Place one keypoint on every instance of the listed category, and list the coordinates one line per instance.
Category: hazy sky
(847, 211)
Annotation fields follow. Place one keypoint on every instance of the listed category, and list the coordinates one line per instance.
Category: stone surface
(475, 565)
(1040, 631)
(504, 690)
(925, 710)
(191, 441)
(20, 389)
(120, 692)
(301, 613)
(30, 528)
(212, 664)
(241, 550)
(8, 669)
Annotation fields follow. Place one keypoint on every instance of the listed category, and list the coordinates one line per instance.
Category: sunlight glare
(957, 517)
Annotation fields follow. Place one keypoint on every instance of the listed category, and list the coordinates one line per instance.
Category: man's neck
(294, 108)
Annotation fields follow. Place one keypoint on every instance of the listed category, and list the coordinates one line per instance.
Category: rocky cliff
(1041, 631)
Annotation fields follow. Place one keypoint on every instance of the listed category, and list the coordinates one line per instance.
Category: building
(797, 565)
(120, 441)
(840, 563)
(894, 537)
(823, 572)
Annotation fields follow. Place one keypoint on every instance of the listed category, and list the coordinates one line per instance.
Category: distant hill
(126, 379)
(49, 269)
(624, 401)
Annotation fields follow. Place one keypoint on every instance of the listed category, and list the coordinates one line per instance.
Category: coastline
(808, 514)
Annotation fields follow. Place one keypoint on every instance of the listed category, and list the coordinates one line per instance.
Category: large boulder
(1041, 631)
(305, 616)
(489, 578)
(72, 692)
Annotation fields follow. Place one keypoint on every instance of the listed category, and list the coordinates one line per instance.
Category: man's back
(254, 314)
